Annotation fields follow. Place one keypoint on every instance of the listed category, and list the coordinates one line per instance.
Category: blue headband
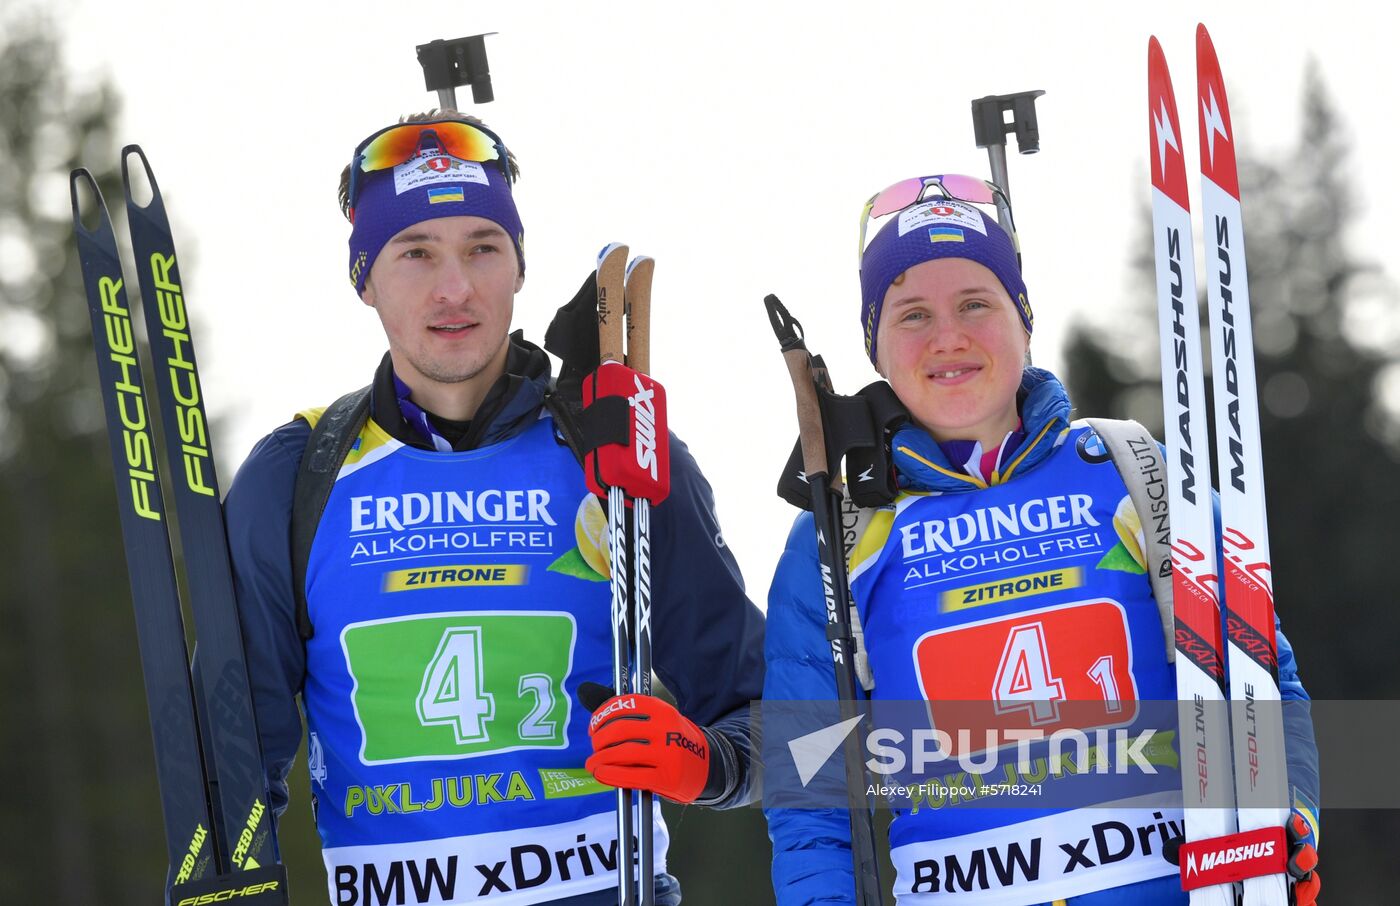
(433, 184)
(937, 228)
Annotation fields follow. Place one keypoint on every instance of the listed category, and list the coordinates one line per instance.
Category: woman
(1008, 576)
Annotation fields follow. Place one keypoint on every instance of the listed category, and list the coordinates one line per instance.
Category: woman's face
(952, 346)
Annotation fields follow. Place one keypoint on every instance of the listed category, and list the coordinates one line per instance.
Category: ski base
(266, 886)
(1234, 857)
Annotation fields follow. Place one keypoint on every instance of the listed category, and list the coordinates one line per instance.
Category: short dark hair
(422, 118)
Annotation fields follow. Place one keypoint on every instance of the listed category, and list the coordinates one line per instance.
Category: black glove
(573, 337)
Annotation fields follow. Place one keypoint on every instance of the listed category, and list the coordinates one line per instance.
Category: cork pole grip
(612, 268)
(809, 414)
(638, 295)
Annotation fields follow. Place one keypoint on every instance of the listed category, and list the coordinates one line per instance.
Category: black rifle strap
(330, 442)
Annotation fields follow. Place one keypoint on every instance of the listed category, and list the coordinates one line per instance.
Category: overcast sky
(733, 142)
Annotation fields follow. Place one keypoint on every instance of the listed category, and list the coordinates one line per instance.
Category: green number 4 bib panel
(459, 685)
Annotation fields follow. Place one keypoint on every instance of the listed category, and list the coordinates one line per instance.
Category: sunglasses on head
(400, 143)
(952, 185)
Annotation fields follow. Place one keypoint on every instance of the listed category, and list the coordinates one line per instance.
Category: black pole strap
(858, 430)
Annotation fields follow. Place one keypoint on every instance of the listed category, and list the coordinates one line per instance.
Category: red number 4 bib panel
(1063, 667)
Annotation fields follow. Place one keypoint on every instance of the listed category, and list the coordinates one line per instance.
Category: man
(454, 598)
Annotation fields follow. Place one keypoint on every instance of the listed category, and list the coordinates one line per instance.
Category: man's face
(444, 290)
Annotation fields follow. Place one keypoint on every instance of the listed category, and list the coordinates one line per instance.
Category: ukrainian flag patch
(446, 193)
(945, 234)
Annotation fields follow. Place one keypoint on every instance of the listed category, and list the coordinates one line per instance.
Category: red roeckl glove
(641, 742)
(1302, 860)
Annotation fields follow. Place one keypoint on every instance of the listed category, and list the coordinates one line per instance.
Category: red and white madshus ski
(1207, 789)
(1261, 775)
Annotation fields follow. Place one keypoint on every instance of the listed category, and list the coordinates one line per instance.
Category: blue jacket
(707, 635)
(811, 848)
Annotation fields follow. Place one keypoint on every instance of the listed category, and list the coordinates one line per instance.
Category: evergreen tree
(89, 829)
(78, 822)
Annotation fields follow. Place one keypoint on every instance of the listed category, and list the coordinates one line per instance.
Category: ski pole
(824, 483)
(637, 301)
(634, 474)
(611, 277)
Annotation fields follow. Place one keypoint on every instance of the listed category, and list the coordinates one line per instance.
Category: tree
(1324, 326)
(89, 829)
(75, 727)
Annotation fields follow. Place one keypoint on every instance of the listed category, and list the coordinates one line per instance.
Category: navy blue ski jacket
(707, 636)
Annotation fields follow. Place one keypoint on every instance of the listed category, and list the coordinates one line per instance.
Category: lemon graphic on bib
(591, 559)
(591, 533)
(1127, 555)
(1129, 528)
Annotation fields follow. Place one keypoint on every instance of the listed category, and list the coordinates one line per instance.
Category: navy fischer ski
(219, 829)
